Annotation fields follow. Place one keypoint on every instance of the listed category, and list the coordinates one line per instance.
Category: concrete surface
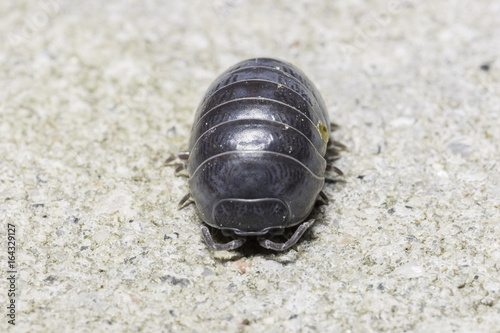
(94, 95)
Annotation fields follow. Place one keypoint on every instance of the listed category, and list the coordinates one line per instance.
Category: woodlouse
(257, 150)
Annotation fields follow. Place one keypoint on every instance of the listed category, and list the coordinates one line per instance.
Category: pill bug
(258, 153)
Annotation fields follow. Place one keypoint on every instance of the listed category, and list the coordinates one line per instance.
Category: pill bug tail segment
(234, 244)
(269, 244)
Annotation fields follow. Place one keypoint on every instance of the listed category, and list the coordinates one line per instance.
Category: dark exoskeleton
(257, 153)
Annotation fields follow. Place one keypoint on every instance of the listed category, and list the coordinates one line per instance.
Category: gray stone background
(94, 95)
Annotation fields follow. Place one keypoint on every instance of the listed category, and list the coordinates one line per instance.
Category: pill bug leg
(183, 201)
(182, 155)
(334, 126)
(331, 167)
(336, 144)
(182, 164)
(234, 244)
(268, 244)
(323, 198)
(333, 150)
(331, 156)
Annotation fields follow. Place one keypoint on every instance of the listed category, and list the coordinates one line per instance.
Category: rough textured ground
(95, 95)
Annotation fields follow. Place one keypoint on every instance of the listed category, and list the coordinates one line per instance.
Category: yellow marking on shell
(323, 131)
